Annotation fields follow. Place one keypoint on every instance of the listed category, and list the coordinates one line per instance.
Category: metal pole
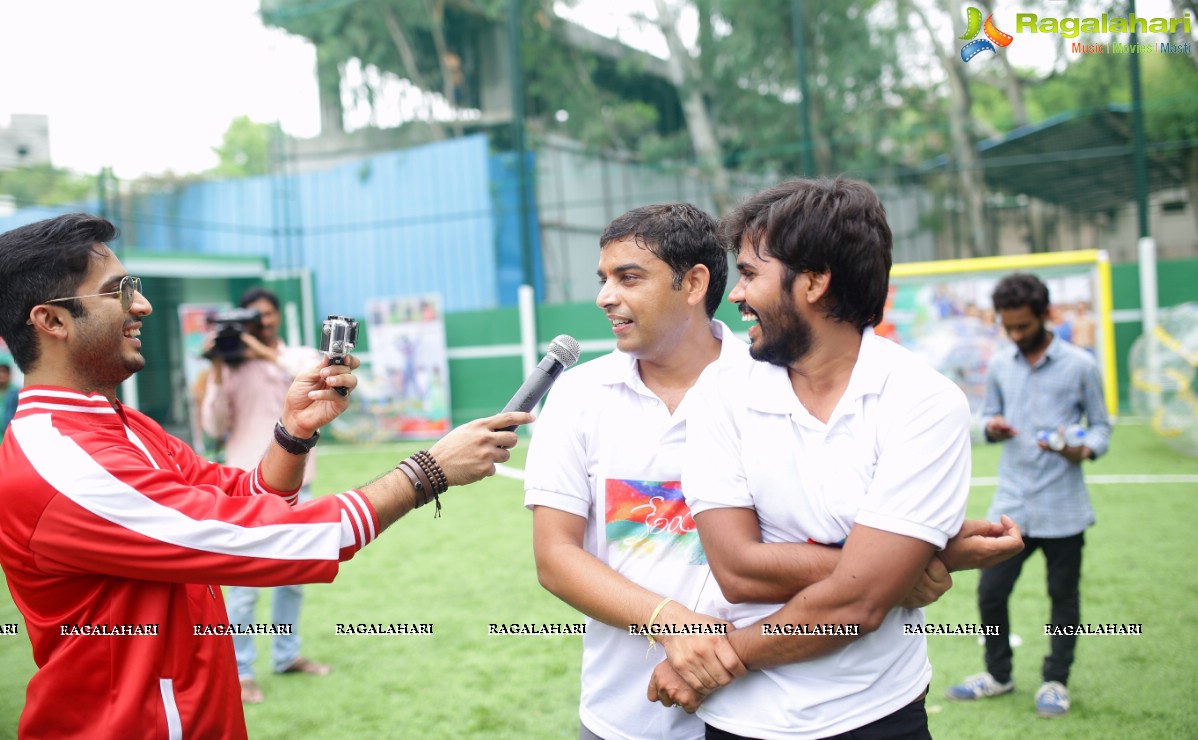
(515, 61)
(1137, 127)
(796, 18)
(102, 192)
(1145, 246)
(527, 303)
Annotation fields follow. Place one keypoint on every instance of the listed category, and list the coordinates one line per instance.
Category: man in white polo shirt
(837, 436)
(612, 534)
(611, 531)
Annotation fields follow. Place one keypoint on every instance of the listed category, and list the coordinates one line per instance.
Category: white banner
(408, 391)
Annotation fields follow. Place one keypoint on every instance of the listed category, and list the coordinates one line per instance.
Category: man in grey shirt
(1037, 394)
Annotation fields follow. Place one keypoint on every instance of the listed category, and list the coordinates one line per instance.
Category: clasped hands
(697, 665)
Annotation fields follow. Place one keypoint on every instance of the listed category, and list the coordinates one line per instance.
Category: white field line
(1099, 480)
(1111, 480)
(507, 471)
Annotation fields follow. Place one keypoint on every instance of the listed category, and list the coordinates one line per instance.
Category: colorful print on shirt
(651, 518)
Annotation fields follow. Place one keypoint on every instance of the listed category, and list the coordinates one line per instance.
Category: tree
(733, 102)
(966, 167)
(245, 148)
(1092, 82)
(605, 103)
(688, 78)
(1171, 113)
(408, 37)
(982, 99)
(44, 184)
(879, 102)
(858, 85)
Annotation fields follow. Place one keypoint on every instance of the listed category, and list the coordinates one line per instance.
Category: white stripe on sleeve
(62, 463)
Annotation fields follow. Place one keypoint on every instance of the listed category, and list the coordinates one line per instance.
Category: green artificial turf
(1136, 569)
(473, 567)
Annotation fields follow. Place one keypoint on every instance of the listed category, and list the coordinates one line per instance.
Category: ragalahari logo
(993, 35)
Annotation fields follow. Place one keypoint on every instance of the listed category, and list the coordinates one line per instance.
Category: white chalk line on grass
(507, 471)
(1112, 480)
(1099, 480)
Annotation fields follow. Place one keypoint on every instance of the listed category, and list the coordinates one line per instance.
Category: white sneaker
(980, 686)
(1052, 699)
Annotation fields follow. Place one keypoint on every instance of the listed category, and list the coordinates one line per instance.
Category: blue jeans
(285, 602)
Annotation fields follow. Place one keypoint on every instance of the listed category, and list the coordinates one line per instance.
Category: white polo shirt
(607, 449)
(894, 455)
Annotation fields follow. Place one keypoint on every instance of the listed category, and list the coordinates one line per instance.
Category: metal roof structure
(1083, 161)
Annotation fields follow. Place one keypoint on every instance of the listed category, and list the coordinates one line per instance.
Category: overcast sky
(147, 86)
(150, 85)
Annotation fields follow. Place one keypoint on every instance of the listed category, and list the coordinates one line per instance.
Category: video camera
(230, 324)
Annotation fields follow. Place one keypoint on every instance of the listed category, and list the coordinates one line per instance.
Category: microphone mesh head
(565, 349)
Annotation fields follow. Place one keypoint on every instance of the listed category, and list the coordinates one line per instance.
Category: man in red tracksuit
(114, 534)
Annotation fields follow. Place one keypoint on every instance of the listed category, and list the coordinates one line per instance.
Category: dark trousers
(1063, 557)
(908, 723)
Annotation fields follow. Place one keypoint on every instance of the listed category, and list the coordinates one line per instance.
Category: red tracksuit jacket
(107, 521)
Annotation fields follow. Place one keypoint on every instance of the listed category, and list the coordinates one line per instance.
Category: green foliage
(618, 104)
(610, 104)
(245, 149)
(1171, 112)
(43, 184)
(360, 29)
(872, 110)
(1169, 89)
(1089, 82)
(347, 29)
(856, 81)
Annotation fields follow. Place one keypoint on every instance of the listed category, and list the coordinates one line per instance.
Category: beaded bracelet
(427, 477)
(425, 459)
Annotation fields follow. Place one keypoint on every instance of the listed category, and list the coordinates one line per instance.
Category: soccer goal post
(943, 310)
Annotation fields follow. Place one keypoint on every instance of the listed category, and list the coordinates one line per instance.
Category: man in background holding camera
(251, 373)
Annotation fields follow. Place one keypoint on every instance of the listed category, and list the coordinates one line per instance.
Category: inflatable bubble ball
(1164, 378)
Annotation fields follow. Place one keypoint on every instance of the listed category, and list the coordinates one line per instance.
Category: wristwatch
(292, 444)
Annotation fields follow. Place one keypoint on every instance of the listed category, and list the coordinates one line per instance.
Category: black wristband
(292, 444)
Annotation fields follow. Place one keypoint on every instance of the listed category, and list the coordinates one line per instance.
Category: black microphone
(563, 352)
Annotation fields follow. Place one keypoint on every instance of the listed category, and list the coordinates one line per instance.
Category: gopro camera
(337, 339)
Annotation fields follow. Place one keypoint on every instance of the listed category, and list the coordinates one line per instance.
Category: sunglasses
(129, 286)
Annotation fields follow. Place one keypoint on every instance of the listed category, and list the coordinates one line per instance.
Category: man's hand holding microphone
(466, 454)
